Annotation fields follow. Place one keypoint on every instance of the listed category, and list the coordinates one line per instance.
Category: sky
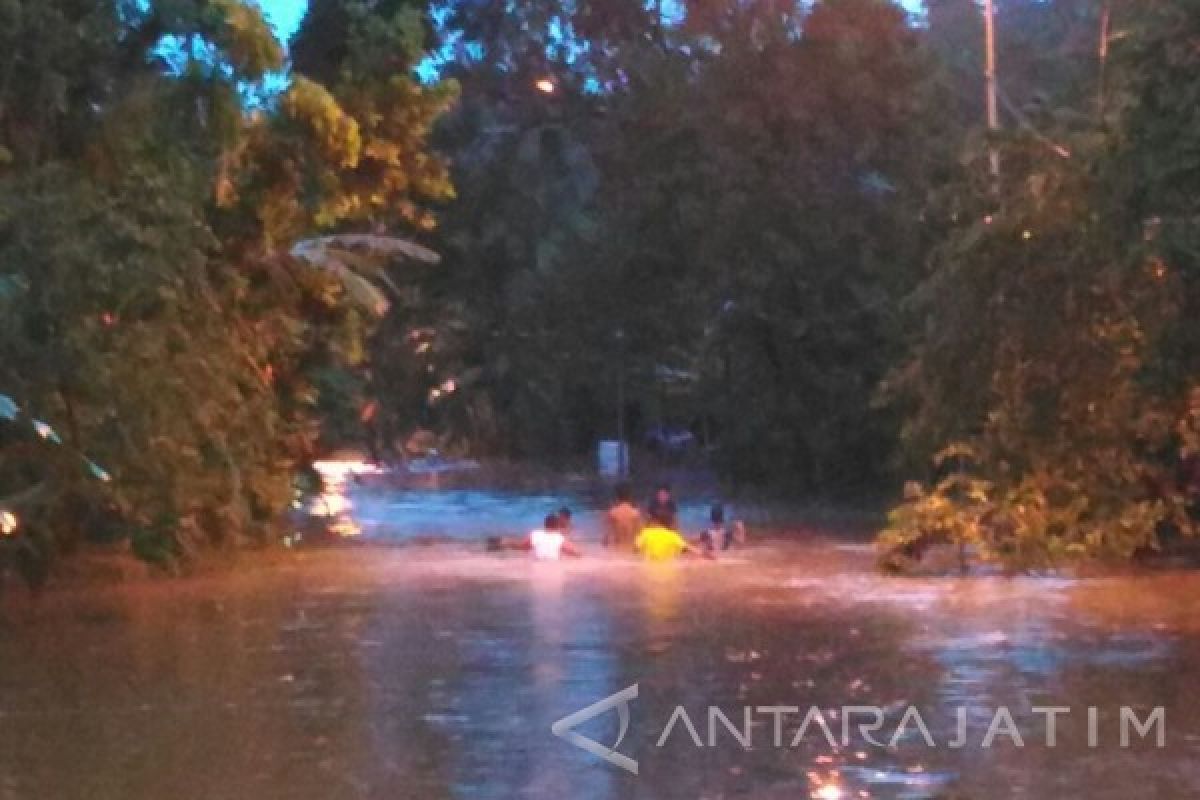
(284, 15)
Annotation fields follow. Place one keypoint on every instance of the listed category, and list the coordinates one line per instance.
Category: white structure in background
(612, 458)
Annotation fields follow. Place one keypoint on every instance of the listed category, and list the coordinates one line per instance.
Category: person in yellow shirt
(657, 542)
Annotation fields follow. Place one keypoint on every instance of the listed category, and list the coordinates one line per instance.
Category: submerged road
(437, 672)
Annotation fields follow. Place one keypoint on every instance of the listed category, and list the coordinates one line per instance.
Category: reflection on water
(333, 503)
(436, 672)
(453, 513)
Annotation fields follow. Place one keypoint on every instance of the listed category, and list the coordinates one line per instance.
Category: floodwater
(472, 514)
(436, 672)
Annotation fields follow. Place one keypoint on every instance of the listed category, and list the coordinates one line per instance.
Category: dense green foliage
(823, 157)
(723, 211)
(149, 305)
(1057, 359)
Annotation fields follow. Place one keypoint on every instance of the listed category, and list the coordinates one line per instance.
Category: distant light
(545, 86)
(449, 387)
(987, 220)
(345, 526)
(8, 523)
(331, 504)
(46, 432)
(829, 791)
(1027, 235)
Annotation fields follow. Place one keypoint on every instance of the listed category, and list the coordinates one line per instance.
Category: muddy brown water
(437, 672)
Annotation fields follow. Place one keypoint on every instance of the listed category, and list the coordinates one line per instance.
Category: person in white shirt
(550, 543)
(720, 536)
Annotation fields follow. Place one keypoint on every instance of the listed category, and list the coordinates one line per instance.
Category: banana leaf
(359, 260)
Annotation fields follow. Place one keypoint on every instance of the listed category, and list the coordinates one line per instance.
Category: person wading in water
(623, 522)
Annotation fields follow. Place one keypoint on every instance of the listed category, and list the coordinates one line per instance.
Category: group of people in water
(654, 532)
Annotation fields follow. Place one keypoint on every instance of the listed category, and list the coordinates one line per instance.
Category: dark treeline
(783, 226)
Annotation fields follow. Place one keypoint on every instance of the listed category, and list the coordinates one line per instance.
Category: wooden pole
(993, 113)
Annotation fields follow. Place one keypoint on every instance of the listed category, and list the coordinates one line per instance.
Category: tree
(770, 222)
(1055, 361)
(152, 306)
(363, 55)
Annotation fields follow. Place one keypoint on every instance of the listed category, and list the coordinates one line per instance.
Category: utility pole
(622, 455)
(993, 114)
(1102, 56)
